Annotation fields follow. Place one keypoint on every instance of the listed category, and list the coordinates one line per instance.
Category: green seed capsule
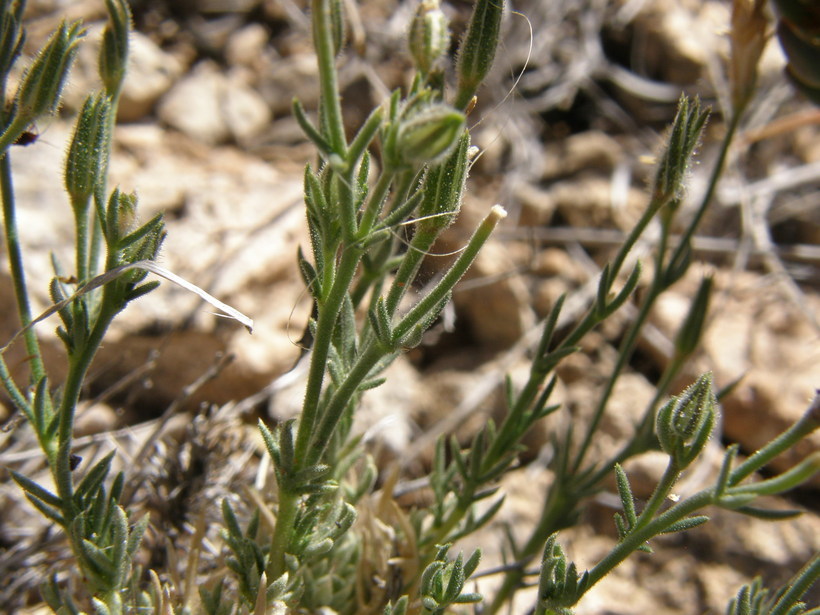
(429, 36)
(477, 51)
(430, 134)
(114, 47)
(685, 423)
(39, 92)
(85, 161)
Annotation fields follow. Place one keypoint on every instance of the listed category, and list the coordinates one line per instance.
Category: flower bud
(85, 162)
(338, 25)
(477, 51)
(39, 91)
(683, 139)
(120, 215)
(11, 35)
(443, 189)
(429, 134)
(685, 423)
(748, 39)
(429, 36)
(114, 47)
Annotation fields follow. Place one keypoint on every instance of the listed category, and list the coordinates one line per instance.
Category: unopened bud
(685, 423)
(338, 25)
(684, 137)
(121, 214)
(42, 84)
(429, 36)
(428, 135)
(11, 35)
(443, 189)
(114, 47)
(86, 159)
(747, 38)
(477, 51)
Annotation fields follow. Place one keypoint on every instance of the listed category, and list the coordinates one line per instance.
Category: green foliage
(88, 508)
(312, 547)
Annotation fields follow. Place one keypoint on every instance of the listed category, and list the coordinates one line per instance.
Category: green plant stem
(78, 368)
(625, 350)
(532, 388)
(333, 411)
(650, 529)
(802, 428)
(441, 535)
(717, 171)
(644, 431)
(561, 501)
(423, 308)
(81, 241)
(662, 490)
(17, 397)
(654, 207)
(18, 276)
(636, 538)
(561, 504)
(326, 323)
(376, 264)
(95, 249)
(329, 87)
(557, 514)
(371, 355)
(375, 201)
(285, 520)
(416, 252)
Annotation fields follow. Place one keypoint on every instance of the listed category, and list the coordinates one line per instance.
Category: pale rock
(244, 111)
(755, 332)
(496, 305)
(194, 106)
(151, 73)
(678, 38)
(247, 46)
(213, 107)
(295, 76)
(95, 419)
(581, 152)
(547, 294)
(536, 205)
(719, 584)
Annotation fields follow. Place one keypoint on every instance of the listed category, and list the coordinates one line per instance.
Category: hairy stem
(18, 276)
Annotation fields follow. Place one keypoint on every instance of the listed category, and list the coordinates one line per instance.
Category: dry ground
(206, 136)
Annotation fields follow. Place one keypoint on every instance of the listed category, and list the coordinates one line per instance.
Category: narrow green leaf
(685, 524)
(36, 490)
(309, 129)
(286, 450)
(47, 511)
(93, 478)
(230, 519)
(365, 136)
(96, 562)
(768, 514)
(270, 443)
(136, 534)
(629, 286)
